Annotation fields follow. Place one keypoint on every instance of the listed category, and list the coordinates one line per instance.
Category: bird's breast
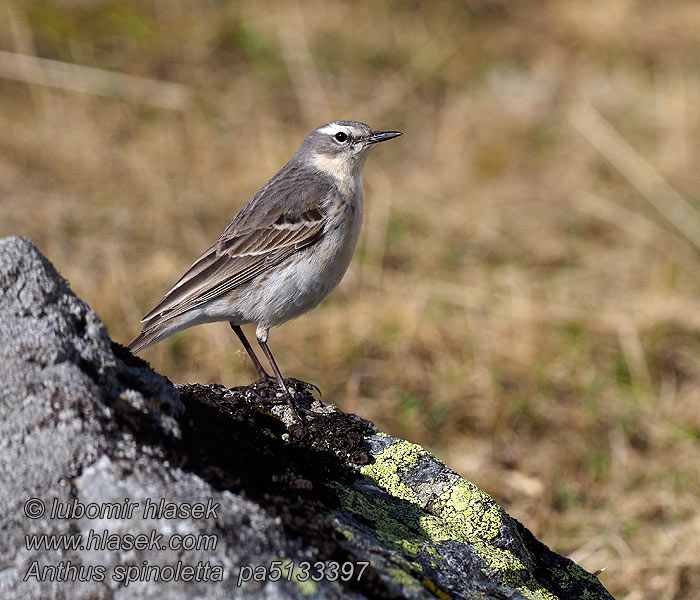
(333, 252)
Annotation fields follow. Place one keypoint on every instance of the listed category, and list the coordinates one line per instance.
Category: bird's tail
(143, 340)
(153, 332)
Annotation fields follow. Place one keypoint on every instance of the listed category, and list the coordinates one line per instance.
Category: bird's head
(339, 148)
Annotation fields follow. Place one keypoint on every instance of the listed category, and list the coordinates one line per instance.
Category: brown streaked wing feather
(235, 259)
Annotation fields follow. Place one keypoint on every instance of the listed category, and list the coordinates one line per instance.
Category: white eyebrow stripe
(332, 128)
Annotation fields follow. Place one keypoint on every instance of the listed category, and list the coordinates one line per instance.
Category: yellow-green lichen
(348, 535)
(388, 467)
(561, 577)
(436, 590)
(539, 594)
(532, 589)
(463, 522)
(470, 509)
(402, 577)
(402, 535)
(417, 566)
(580, 573)
(462, 513)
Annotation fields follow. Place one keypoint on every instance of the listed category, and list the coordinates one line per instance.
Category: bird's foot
(269, 384)
(294, 392)
(267, 390)
(247, 390)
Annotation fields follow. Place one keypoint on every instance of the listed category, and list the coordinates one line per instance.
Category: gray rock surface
(84, 425)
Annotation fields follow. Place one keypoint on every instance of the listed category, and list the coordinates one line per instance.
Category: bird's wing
(238, 257)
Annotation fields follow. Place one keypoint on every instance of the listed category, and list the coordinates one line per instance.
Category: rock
(151, 490)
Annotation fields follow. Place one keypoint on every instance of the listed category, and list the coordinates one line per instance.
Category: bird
(284, 251)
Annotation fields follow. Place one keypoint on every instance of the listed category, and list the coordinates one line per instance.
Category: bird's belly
(294, 286)
(306, 279)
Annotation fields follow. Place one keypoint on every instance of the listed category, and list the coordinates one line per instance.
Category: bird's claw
(303, 384)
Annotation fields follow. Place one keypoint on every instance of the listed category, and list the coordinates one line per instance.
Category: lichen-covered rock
(450, 534)
(267, 509)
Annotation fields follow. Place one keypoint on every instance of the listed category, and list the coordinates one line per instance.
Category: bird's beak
(383, 136)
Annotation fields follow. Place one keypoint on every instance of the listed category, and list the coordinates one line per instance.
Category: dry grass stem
(640, 173)
(88, 80)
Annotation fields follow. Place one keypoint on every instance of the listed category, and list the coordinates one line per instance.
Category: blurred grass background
(524, 299)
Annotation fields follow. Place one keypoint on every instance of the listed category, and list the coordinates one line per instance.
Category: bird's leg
(262, 334)
(264, 375)
(290, 400)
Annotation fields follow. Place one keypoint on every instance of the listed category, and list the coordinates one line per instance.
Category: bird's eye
(341, 137)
